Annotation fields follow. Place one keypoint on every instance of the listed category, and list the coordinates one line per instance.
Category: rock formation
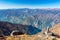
(55, 30)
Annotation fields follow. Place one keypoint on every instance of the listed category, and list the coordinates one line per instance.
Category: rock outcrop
(55, 30)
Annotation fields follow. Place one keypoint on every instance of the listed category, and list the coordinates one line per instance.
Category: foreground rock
(56, 30)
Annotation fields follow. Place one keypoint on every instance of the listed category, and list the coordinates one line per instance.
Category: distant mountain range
(39, 18)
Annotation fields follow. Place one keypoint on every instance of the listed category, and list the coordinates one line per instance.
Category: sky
(9, 4)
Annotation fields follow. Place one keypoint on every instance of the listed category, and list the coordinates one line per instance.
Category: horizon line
(28, 8)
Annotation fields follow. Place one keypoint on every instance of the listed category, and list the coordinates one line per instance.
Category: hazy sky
(5, 4)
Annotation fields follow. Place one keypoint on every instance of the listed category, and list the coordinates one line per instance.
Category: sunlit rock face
(56, 30)
(39, 18)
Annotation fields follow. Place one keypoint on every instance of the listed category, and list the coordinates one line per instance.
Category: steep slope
(56, 30)
(6, 28)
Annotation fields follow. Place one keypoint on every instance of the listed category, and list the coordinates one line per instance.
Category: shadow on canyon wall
(6, 28)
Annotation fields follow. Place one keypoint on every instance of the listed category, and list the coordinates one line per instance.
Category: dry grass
(27, 37)
(23, 37)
